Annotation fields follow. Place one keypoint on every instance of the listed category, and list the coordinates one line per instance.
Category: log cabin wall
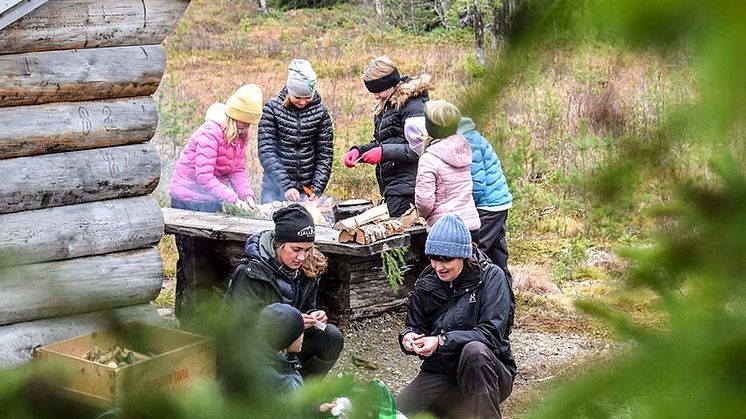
(77, 223)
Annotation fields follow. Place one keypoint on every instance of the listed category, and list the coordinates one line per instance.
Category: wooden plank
(12, 10)
(69, 126)
(226, 227)
(85, 74)
(17, 341)
(73, 231)
(71, 24)
(80, 285)
(59, 179)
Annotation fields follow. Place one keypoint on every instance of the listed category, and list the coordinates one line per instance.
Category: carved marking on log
(83, 112)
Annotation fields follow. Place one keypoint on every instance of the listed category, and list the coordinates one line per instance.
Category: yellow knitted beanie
(245, 104)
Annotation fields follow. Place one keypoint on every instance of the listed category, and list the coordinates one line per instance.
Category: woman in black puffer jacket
(399, 98)
(296, 142)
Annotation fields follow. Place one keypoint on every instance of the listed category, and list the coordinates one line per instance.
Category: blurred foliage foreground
(696, 366)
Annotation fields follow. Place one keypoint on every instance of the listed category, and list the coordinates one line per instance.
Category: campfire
(320, 208)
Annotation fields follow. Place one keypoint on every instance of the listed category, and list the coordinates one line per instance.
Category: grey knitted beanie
(301, 79)
(449, 237)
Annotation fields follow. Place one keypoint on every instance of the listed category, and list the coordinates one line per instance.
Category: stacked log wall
(77, 223)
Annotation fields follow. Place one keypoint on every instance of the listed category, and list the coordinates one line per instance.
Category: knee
(335, 340)
(475, 353)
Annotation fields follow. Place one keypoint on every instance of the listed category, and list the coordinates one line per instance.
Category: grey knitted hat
(449, 237)
(301, 79)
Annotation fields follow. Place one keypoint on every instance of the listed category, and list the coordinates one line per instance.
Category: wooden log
(85, 74)
(73, 231)
(81, 285)
(59, 179)
(92, 24)
(17, 341)
(72, 126)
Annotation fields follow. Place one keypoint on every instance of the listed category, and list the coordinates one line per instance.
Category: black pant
(196, 269)
(321, 349)
(492, 238)
(398, 204)
(480, 384)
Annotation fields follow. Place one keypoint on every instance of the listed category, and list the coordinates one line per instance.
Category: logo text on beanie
(309, 231)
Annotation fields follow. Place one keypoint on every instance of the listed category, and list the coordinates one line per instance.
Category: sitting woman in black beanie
(283, 266)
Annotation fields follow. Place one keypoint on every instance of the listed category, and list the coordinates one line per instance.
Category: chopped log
(85, 74)
(80, 285)
(73, 231)
(92, 24)
(17, 341)
(374, 214)
(71, 126)
(79, 176)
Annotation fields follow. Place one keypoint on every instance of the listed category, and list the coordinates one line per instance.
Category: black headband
(386, 82)
(439, 131)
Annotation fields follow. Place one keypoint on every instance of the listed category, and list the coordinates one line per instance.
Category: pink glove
(350, 157)
(373, 156)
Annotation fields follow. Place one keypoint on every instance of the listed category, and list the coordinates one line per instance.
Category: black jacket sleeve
(324, 154)
(397, 148)
(268, 141)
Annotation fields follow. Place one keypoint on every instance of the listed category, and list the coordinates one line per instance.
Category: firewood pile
(375, 224)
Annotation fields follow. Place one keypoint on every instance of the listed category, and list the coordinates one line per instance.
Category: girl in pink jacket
(210, 171)
(211, 168)
(444, 182)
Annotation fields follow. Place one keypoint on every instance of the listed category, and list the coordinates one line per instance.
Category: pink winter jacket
(209, 169)
(444, 182)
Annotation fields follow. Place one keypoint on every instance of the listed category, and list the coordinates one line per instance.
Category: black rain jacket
(481, 309)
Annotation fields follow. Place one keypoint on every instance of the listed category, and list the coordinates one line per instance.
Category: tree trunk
(17, 341)
(78, 24)
(80, 285)
(478, 20)
(73, 231)
(501, 14)
(72, 126)
(70, 178)
(263, 7)
(379, 7)
(73, 75)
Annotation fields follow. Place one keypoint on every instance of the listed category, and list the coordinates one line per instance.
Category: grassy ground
(552, 129)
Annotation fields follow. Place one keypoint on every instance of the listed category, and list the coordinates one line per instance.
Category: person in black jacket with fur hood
(459, 319)
(399, 98)
(283, 266)
(295, 140)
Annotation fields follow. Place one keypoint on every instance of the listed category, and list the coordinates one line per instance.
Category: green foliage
(176, 116)
(299, 4)
(392, 260)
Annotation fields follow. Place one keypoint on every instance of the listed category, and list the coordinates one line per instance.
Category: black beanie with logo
(294, 224)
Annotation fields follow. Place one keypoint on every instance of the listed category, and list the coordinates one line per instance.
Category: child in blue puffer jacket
(491, 195)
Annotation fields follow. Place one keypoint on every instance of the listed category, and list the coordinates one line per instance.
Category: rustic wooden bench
(354, 285)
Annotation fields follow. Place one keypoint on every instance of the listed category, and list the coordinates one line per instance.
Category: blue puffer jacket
(490, 186)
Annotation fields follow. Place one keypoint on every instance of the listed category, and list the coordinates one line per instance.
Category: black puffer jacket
(481, 308)
(296, 147)
(259, 281)
(397, 171)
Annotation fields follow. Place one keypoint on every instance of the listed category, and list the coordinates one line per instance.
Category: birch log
(53, 180)
(81, 285)
(85, 74)
(67, 126)
(17, 341)
(73, 231)
(70, 24)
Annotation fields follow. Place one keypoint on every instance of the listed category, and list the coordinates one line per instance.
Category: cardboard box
(176, 359)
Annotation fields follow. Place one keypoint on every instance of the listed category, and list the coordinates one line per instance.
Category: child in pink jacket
(444, 182)
(210, 171)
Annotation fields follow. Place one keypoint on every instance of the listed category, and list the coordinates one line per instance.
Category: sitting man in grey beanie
(295, 139)
(283, 266)
(459, 319)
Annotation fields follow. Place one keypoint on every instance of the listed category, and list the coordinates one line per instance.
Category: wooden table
(354, 285)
